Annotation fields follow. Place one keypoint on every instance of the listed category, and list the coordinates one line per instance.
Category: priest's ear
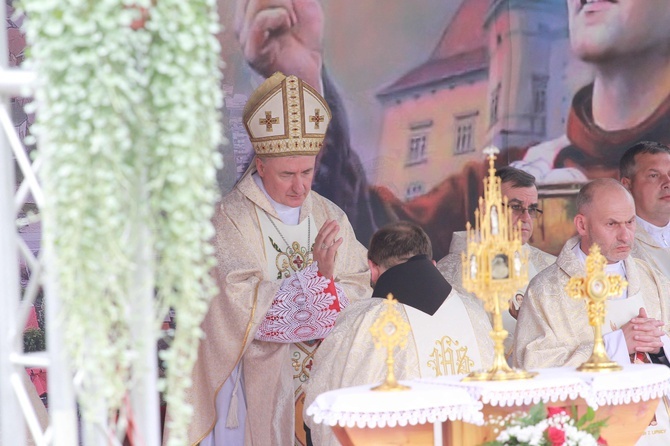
(581, 224)
(375, 271)
(260, 165)
(625, 181)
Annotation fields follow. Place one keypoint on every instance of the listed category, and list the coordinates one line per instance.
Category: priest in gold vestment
(449, 334)
(288, 261)
(645, 172)
(553, 329)
(521, 192)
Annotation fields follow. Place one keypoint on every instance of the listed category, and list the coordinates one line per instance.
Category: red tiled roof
(465, 32)
(461, 50)
(438, 70)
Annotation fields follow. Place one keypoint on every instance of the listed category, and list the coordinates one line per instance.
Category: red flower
(602, 441)
(551, 411)
(556, 436)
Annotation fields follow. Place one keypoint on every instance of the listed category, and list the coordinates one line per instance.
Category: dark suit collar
(416, 283)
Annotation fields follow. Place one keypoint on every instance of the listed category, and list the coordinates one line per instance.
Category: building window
(414, 189)
(417, 149)
(465, 133)
(539, 108)
(418, 152)
(495, 105)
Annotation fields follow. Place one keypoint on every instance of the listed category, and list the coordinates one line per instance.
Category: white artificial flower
(125, 118)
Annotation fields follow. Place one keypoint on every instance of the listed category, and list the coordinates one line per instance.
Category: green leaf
(274, 245)
(589, 416)
(536, 414)
(595, 427)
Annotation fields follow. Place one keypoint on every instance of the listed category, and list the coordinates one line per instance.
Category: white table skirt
(423, 403)
(636, 382)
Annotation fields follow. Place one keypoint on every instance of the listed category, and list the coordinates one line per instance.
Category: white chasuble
(445, 342)
(620, 311)
(509, 322)
(288, 248)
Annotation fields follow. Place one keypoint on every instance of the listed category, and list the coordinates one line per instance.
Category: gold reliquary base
(390, 387)
(500, 371)
(507, 374)
(598, 365)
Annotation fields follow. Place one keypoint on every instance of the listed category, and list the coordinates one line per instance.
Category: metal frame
(16, 409)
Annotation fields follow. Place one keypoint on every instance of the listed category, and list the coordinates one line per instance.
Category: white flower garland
(128, 124)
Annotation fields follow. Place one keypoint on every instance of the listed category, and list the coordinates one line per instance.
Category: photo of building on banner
(417, 93)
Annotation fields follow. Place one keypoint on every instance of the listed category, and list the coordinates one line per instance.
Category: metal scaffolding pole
(15, 408)
(12, 426)
(144, 394)
(62, 408)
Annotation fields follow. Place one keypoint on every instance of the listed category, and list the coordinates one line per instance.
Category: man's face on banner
(602, 29)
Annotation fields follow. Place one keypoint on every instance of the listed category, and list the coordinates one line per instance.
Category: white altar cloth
(636, 382)
(423, 403)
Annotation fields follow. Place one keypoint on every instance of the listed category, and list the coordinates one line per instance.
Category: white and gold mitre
(285, 116)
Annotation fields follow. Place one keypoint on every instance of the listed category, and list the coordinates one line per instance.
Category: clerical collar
(661, 235)
(287, 214)
(417, 283)
(618, 268)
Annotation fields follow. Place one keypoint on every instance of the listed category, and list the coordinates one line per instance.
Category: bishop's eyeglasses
(518, 210)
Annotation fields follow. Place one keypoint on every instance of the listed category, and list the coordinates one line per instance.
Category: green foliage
(33, 340)
(543, 426)
(586, 422)
(536, 414)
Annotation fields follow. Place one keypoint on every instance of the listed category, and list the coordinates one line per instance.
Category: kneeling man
(449, 332)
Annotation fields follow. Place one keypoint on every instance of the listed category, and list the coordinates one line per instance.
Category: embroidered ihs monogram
(450, 359)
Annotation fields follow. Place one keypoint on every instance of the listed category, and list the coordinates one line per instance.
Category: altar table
(425, 415)
(361, 416)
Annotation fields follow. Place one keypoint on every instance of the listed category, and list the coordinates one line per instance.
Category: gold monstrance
(596, 287)
(390, 331)
(494, 267)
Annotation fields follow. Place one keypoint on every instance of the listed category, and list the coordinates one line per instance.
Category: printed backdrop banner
(419, 89)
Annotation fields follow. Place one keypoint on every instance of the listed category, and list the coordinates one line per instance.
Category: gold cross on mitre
(316, 118)
(390, 331)
(596, 287)
(268, 121)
